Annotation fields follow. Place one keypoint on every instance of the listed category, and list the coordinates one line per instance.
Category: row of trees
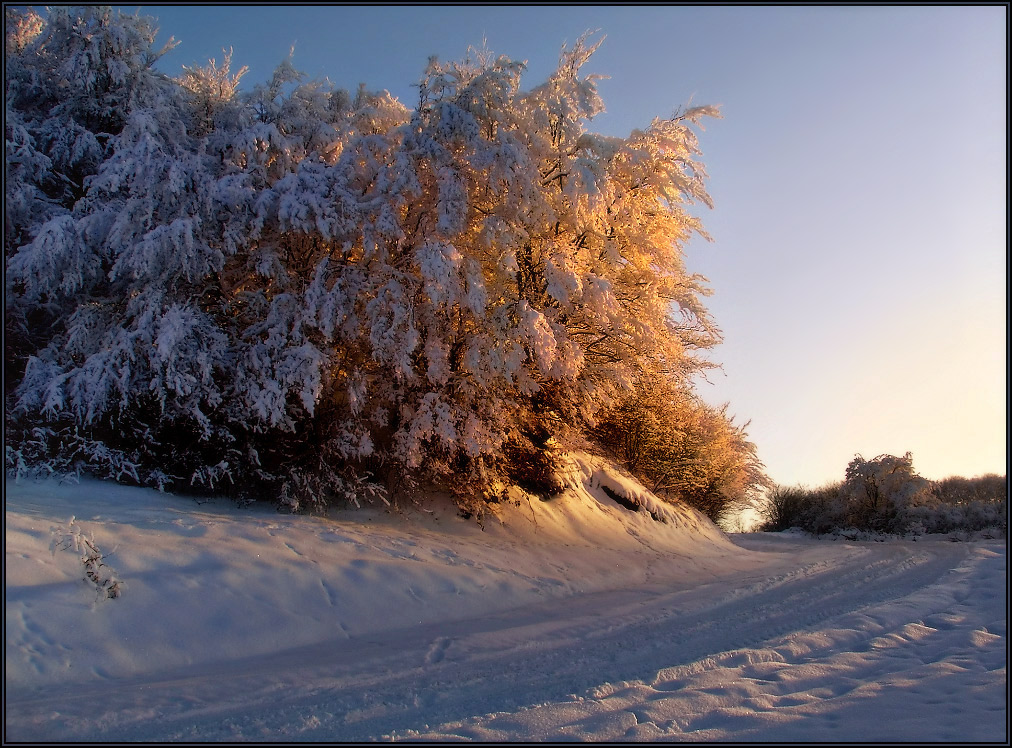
(303, 293)
(886, 495)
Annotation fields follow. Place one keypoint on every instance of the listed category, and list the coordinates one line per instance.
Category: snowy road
(814, 641)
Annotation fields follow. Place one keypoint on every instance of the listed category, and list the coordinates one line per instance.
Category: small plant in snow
(96, 571)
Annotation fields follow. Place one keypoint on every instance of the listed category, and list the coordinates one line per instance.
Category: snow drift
(208, 582)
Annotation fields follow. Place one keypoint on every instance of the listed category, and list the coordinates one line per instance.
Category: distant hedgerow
(885, 495)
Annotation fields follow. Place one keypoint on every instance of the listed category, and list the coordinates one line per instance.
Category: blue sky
(859, 177)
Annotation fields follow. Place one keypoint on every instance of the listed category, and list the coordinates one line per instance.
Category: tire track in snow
(364, 687)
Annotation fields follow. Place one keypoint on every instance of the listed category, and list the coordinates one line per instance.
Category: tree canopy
(302, 292)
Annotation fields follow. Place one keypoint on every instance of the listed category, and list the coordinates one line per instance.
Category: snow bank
(203, 582)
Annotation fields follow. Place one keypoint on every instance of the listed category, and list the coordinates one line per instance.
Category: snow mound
(601, 504)
(210, 581)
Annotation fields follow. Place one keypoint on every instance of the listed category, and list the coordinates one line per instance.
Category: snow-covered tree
(213, 91)
(124, 349)
(877, 493)
(300, 291)
(684, 449)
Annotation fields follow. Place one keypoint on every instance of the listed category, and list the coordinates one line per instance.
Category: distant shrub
(989, 488)
(886, 495)
(878, 494)
(967, 505)
(783, 508)
(814, 510)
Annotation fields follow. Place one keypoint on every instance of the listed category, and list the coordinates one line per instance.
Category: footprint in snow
(437, 651)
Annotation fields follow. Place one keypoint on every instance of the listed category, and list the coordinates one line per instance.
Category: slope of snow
(574, 618)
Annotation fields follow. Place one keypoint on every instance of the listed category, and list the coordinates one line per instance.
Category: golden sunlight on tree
(301, 293)
(683, 449)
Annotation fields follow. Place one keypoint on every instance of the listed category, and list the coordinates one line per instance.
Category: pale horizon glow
(859, 176)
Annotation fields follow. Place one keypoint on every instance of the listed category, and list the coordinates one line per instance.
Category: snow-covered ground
(574, 619)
